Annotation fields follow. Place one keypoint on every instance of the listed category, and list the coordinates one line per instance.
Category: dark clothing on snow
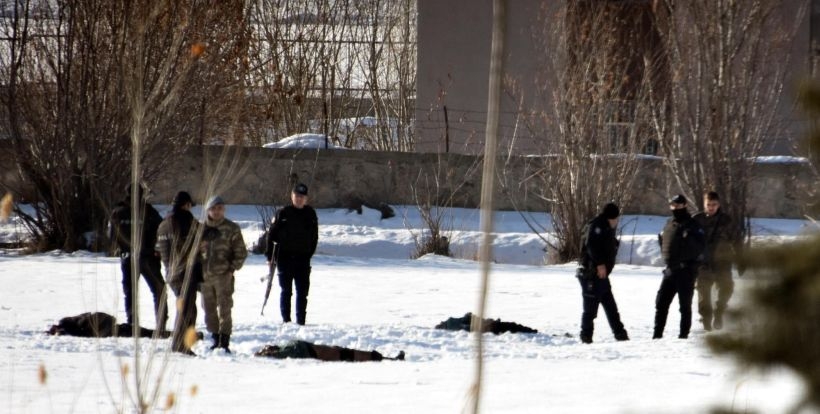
(495, 326)
(99, 325)
(300, 349)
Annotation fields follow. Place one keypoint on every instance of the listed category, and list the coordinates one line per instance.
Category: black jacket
(600, 246)
(120, 230)
(294, 233)
(682, 241)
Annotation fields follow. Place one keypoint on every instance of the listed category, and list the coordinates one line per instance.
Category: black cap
(182, 198)
(678, 199)
(611, 211)
(300, 189)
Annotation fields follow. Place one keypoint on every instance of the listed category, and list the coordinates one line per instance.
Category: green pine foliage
(778, 323)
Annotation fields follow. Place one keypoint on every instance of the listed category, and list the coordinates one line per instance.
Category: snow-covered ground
(366, 293)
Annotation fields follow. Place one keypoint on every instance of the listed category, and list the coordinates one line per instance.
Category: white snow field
(367, 294)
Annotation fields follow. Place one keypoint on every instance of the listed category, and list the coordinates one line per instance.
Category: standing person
(224, 253)
(148, 263)
(178, 248)
(292, 240)
(599, 248)
(682, 245)
(716, 269)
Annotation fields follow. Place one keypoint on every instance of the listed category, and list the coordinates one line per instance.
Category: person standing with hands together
(291, 243)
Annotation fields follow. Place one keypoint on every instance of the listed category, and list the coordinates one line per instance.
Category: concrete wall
(340, 178)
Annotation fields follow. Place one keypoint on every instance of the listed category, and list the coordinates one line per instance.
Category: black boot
(621, 336)
(217, 341)
(224, 341)
(718, 323)
(587, 339)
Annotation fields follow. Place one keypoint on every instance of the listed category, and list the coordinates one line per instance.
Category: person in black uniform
(599, 248)
(148, 263)
(682, 245)
(291, 243)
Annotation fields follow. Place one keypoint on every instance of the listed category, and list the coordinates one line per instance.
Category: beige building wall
(454, 39)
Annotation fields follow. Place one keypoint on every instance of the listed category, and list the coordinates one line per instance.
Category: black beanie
(611, 211)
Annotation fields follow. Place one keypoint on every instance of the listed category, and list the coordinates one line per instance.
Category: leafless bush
(435, 194)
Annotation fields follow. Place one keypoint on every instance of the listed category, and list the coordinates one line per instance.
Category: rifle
(269, 276)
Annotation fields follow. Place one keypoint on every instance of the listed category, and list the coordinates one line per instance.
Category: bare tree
(80, 83)
(594, 75)
(345, 69)
(301, 74)
(722, 94)
(388, 62)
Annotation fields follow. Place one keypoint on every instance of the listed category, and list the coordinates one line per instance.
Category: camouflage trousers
(217, 302)
(722, 280)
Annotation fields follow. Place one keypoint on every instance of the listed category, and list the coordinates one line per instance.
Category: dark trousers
(722, 279)
(596, 292)
(186, 310)
(294, 271)
(680, 281)
(151, 269)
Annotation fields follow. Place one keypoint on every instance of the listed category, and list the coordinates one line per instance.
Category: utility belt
(673, 268)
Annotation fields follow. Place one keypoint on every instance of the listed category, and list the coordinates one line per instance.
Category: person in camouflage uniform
(716, 269)
(178, 248)
(224, 254)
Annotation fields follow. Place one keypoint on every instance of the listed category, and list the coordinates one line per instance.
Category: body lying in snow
(495, 326)
(302, 349)
(99, 325)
